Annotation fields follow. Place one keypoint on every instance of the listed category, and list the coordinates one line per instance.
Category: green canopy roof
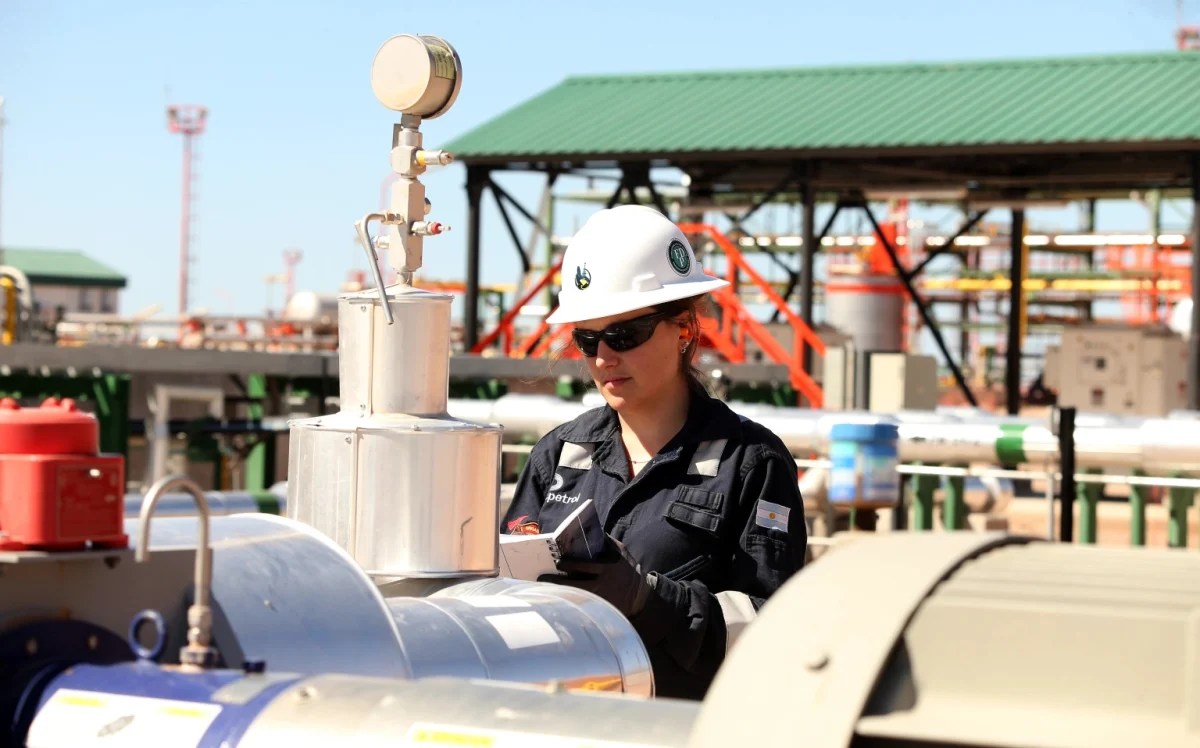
(1142, 101)
(64, 267)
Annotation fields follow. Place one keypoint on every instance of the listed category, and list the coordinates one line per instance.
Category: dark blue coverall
(717, 510)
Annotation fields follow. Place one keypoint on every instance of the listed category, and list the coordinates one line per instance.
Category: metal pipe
(1016, 312)
(946, 436)
(362, 227)
(198, 652)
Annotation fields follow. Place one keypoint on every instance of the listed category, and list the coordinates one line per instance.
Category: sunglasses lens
(621, 337)
(625, 338)
(587, 342)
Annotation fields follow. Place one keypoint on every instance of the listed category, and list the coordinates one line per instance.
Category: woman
(701, 507)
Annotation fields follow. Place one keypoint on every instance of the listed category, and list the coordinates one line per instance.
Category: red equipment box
(56, 491)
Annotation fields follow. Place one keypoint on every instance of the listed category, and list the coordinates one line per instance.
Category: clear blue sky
(297, 146)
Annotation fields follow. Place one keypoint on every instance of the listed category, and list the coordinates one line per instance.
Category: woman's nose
(605, 356)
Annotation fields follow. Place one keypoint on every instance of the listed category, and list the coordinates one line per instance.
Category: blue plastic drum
(864, 457)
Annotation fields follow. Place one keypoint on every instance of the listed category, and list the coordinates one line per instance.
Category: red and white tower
(187, 120)
(291, 258)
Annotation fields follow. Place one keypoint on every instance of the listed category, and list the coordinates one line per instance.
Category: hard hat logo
(583, 278)
(680, 259)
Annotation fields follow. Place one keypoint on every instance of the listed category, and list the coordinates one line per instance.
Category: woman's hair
(690, 308)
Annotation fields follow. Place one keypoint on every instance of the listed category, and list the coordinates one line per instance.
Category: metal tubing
(1137, 514)
(477, 179)
(1089, 500)
(1066, 461)
(931, 322)
(1016, 302)
(1194, 339)
(198, 652)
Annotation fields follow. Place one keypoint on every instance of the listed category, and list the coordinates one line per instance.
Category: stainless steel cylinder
(406, 496)
(507, 629)
(399, 368)
(404, 488)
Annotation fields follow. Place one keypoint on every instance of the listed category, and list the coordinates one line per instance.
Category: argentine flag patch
(772, 516)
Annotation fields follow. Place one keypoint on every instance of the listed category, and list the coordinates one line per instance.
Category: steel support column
(808, 246)
(931, 322)
(477, 179)
(1194, 338)
(1016, 305)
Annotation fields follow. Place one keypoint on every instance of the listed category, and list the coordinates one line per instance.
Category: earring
(684, 348)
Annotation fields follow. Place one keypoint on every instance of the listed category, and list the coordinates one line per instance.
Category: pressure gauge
(418, 75)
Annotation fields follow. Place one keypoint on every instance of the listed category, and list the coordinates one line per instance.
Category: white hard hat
(627, 258)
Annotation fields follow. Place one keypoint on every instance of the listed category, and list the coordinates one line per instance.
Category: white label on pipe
(494, 601)
(83, 718)
(521, 630)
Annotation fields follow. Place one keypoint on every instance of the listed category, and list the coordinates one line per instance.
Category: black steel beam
(616, 195)
(771, 195)
(970, 224)
(1016, 302)
(512, 231)
(521, 208)
(1194, 338)
(808, 246)
(930, 321)
(477, 180)
(657, 198)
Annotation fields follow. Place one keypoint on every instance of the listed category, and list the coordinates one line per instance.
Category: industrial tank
(868, 307)
(310, 306)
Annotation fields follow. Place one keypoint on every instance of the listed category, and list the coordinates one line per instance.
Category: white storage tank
(868, 307)
(314, 307)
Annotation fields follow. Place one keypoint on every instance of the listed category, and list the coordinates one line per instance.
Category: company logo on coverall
(561, 498)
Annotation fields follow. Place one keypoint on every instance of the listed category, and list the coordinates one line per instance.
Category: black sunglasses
(620, 336)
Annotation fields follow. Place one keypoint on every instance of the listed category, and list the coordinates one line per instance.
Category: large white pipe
(946, 436)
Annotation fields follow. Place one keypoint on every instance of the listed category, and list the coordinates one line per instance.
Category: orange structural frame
(727, 333)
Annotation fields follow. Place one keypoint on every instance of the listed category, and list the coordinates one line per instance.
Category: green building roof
(62, 267)
(1097, 102)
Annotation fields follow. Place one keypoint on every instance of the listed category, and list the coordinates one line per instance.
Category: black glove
(615, 576)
